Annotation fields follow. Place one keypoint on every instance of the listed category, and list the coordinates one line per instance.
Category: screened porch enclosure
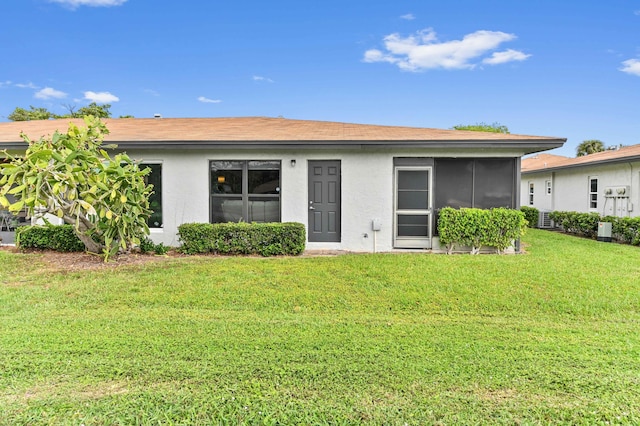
(423, 186)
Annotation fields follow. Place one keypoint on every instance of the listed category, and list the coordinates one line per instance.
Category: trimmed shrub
(266, 239)
(147, 246)
(197, 238)
(475, 228)
(531, 215)
(505, 226)
(49, 237)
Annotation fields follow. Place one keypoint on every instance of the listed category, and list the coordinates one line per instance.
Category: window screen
(467, 182)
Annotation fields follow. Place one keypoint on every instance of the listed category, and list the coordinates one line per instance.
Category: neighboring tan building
(606, 182)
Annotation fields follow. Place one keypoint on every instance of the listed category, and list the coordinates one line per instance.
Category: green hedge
(624, 229)
(585, 224)
(497, 228)
(266, 239)
(531, 215)
(48, 237)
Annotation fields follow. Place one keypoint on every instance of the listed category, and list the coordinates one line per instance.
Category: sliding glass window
(245, 191)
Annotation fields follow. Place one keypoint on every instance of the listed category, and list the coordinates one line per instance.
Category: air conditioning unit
(544, 221)
(604, 231)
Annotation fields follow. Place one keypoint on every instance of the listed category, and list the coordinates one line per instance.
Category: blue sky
(554, 68)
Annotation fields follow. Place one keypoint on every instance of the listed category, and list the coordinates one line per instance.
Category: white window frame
(531, 192)
(593, 195)
(547, 186)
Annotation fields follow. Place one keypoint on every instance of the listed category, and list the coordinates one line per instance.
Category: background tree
(71, 176)
(21, 114)
(71, 108)
(100, 111)
(483, 127)
(590, 146)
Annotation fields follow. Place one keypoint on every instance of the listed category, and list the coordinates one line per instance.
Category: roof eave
(526, 146)
(9, 146)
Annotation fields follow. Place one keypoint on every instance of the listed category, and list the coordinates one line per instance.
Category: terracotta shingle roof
(541, 161)
(547, 161)
(259, 129)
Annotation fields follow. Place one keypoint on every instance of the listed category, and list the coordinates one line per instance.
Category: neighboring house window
(155, 200)
(593, 192)
(245, 191)
(547, 185)
(531, 189)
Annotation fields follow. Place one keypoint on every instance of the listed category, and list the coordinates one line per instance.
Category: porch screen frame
(406, 241)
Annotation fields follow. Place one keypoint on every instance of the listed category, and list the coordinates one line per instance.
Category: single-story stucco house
(607, 183)
(356, 187)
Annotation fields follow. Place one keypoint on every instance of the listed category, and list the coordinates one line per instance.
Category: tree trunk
(90, 245)
(81, 232)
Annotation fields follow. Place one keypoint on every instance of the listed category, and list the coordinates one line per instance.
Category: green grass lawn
(551, 336)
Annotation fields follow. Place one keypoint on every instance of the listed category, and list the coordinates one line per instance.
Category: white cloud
(631, 66)
(5, 83)
(28, 85)
(48, 93)
(73, 4)
(260, 78)
(100, 97)
(208, 101)
(423, 51)
(408, 17)
(506, 56)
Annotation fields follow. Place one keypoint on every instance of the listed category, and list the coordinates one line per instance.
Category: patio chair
(6, 220)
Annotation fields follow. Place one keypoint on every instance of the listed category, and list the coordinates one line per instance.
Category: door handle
(311, 208)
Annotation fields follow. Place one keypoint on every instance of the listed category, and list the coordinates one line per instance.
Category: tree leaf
(17, 189)
(16, 207)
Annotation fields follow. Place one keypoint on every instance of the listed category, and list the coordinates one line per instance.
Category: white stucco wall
(570, 189)
(541, 199)
(367, 189)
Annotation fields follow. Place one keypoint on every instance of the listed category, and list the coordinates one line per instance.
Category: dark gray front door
(324, 201)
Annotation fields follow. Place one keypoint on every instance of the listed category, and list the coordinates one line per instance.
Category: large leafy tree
(483, 127)
(590, 146)
(72, 176)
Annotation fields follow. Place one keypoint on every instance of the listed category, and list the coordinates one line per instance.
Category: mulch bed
(85, 261)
